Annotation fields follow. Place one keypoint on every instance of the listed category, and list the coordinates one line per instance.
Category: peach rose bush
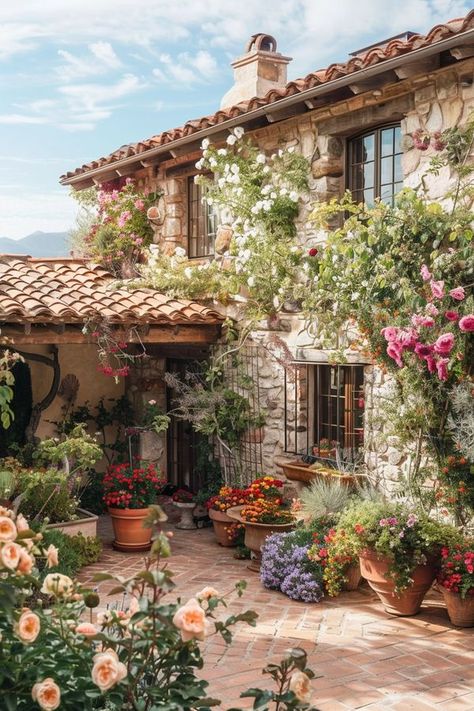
(62, 648)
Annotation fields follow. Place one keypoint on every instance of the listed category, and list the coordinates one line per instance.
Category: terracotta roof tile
(375, 55)
(71, 291)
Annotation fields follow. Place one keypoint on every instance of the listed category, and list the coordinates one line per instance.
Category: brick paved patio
(364, 658)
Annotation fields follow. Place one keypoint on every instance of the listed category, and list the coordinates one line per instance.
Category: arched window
(374, 165)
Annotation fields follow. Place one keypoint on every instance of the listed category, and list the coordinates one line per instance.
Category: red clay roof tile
(71, 291)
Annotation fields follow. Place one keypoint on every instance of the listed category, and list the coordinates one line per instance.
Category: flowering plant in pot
(456, 577)
(398, 551)
(341, 562)
(129, 490)
(266, 487)
(261, 518)
(185, 500)
(225, 528)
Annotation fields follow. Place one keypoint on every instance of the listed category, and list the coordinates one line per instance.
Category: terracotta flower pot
(130, 534)
(353, 577)
(221, 522)
(256, 535)
(461, 612)
(374, 569)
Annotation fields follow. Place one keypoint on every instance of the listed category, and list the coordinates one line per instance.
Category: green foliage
(45, 493)
(7, 381)
(92, 497)
(77, 451)
(324, 497)
(74, 552)
(21, 406)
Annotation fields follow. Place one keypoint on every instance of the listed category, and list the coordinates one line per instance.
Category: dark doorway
(21, 406)
(182, 440)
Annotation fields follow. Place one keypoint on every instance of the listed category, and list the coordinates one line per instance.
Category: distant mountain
(38, 244)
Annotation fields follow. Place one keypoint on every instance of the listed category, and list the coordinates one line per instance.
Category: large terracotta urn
(460, 611)
(374, 568)
(130, 534)
(256, 535)
(221, 523)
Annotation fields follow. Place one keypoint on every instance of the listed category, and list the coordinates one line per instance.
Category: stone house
(354, 121)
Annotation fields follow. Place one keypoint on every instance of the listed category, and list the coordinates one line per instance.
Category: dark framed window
(202, 222)
(324, 404)
(375, 165)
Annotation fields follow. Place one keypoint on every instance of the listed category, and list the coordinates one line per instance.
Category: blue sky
(80, 78)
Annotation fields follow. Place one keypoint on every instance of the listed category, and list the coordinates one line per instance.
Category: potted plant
(217, 506)
(129, 491)
(342, 567)
(184, 500)
(325, 448)
(261, 518)
(399, 551)
(456, 577)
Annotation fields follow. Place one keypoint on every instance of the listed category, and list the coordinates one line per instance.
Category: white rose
(180, 252)
(205, 144)
(188, 273)
(260, 158)
(251, 281)
(222, 152)
(238, 132)
(231, 140)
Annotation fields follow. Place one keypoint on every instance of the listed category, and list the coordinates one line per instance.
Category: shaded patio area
(363, 658)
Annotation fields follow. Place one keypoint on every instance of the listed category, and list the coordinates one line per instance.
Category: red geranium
(132, 486)
(457, 569)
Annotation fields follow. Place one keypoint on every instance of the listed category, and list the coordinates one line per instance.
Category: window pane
(398, 139)
(369, 175)
(398, 168)
(368, 147)
(386, 142)
(386, 170)
(369, 197)
(386, 193)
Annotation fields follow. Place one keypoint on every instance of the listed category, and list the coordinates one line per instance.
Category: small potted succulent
(184, 500)
(129, 491)
(399, 551)
(456, 577)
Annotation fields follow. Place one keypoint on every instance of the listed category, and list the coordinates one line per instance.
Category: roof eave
(91, 177)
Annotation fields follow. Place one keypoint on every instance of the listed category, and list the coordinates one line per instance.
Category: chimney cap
(261, 42)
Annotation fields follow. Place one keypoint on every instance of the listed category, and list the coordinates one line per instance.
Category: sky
(80, 78)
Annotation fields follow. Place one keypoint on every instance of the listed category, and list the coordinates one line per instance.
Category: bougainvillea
(457, 569)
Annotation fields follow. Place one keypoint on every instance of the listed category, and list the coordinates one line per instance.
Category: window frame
(305, 413)
(376, 131)
(208, 238)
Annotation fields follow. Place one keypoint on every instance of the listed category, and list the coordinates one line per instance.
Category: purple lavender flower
(300, 585)
(285, 567)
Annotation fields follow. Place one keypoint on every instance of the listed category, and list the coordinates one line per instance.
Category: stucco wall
(81, 360)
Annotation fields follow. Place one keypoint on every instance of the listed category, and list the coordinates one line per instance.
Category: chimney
(260, 69)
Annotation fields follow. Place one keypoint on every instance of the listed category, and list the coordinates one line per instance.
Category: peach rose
(134, 606)
(8, 530)
(87, 629)
(191, 620)
(58, 585)
(52, 556)
(46, 694)
(10, 554)
(300, 685)
(26, 563)
(22, 523)
(28, 626)
(206, 593)
(107, 670)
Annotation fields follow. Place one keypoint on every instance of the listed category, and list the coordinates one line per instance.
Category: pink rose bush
(86, 657)
(122, 232)
(434, 340)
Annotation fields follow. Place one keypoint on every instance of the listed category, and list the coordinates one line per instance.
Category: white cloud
(16, 119)
(101, 59)
(186, 68)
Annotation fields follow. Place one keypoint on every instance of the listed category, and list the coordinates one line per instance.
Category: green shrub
(73, 551)
(92, 498)
(46, 494)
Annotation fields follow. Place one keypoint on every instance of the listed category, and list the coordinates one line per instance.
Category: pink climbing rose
(442, 368)
(425, 273)
(444, 344)
(451, 315)
(466, 324)
(390, 333)
(437, 289)
(395, 352)
(458, 293)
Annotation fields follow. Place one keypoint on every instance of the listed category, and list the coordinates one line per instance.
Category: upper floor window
(202, 222)
(375, 167)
